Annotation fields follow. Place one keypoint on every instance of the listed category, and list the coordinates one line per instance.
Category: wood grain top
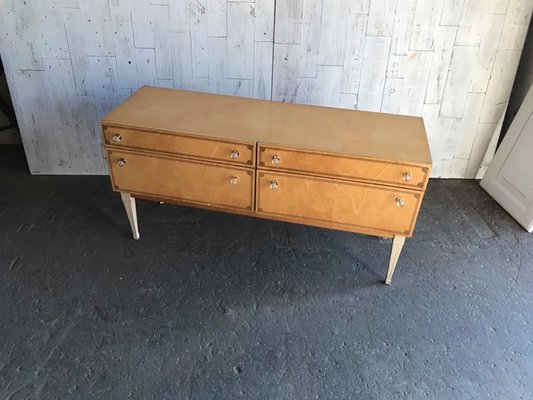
(330, 130)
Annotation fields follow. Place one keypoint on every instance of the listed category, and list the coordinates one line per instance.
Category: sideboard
(355, 171)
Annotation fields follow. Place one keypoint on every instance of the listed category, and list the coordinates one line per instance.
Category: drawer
(186, 180)
(373, 171)
(340, 204)
(191, 146)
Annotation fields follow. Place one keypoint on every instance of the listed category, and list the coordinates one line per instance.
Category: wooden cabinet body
(342, 169)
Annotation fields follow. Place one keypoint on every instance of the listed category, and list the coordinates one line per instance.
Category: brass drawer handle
(274, 184)
(117, 138)
(400, 202)
(276, 159)
(235, 154)
(234, 180)
(406, 176)
(121, 162)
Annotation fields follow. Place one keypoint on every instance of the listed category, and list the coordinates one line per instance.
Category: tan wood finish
(183, 145)
(345, 203)
(183, 179)
(368, 170)
(341, 169)
(328, 130)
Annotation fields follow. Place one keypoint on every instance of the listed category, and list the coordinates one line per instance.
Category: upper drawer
(192, 146)
(383, 172)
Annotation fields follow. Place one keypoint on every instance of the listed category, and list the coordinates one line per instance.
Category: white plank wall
(69, 62)
(450, 61)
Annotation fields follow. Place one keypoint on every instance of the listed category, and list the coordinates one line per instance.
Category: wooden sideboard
(350, 170)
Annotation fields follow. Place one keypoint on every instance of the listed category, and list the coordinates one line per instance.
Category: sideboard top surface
(314, 128)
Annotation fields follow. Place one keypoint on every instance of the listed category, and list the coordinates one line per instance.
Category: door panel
(509, 178)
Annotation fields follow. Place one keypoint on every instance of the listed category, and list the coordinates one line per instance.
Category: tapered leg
(131, 210)
(397, 244)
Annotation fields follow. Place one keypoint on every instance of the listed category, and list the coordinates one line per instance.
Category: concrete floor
(214, 306)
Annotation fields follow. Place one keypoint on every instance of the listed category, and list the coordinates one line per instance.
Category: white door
(509, 178)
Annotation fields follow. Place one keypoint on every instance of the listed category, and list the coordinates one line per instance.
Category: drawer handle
(121, 162)
(406, 176)
(117, 138)
(400, 202)
(235, 154)
(274, 184)
(276, 159)
(234, 180)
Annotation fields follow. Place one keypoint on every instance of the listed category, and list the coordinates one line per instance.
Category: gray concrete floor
(213, 306)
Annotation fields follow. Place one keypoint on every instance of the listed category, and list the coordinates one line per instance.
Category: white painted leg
(397, 244)
(131, 210)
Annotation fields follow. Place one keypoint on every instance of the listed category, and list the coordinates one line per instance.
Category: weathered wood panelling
(450, 61)
(69, 62)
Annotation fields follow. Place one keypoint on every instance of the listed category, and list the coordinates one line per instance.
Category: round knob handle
(235, 154)
(117, 138)
(276, 159)
(406, 176)
(121, 162)
(274, 184)
(400, 202)
(234, 180)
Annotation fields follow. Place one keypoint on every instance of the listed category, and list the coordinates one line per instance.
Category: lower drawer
(338, 204)
(184, 180)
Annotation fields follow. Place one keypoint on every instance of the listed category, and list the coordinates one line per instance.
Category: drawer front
(185, 180)
(208, 149)
(348, 205)
(410, 176)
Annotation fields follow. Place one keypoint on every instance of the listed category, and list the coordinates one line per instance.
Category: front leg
(397, 244)
(131, 210)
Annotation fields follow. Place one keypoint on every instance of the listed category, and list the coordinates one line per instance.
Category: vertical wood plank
(426, 20)
(165, 62)
(500, 85)
(264, 20)
(263, 70)
(285, 69)
(401, 37)
(216, 18)
(217, 65)
(289, 14)
(179, 15)
(375, 58)
(451, 12)
(146, 69)
(143, 23)
(440, 64)
(96, 25)
(333, 33)
(240, 42)
(459, 82)
(359, 6)
(198, 26)
(123, 44)
(381, 17)
(353, 55)
(310, 39)
(516, 25)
